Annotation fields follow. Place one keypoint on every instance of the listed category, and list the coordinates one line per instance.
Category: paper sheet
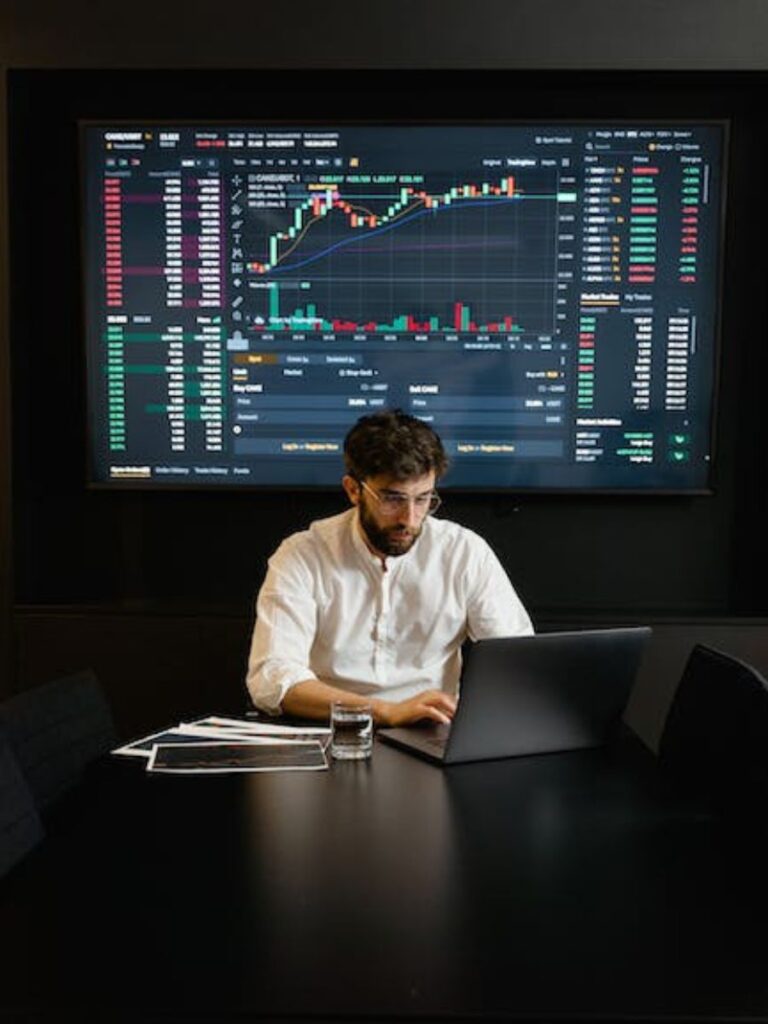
(223, 729)
(206, 758)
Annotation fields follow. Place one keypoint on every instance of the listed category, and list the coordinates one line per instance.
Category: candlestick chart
(438, 258)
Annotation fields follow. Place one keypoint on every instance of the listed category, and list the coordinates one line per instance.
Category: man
(372, 606)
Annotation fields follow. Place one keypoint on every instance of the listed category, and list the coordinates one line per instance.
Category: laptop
(533, 695)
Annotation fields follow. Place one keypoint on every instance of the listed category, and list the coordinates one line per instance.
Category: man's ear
(352, 487)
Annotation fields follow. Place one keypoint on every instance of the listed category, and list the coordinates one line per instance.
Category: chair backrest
(55, 731)
(20, 825)
(715, 738)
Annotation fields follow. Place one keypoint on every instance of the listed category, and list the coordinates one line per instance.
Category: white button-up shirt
(331, 610)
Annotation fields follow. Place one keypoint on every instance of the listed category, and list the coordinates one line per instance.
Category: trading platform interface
(545, 296)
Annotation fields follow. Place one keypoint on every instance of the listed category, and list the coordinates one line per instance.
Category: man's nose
(409, 514)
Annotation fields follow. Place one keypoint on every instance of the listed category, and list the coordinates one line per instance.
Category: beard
(389, 540)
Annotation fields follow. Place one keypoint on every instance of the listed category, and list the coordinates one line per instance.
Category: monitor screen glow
(545, 295)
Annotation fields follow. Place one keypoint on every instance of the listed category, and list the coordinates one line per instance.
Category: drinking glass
(351, 731)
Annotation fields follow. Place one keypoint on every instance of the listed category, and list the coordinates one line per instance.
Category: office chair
(20, 826)
(715, 739)
(55, 731)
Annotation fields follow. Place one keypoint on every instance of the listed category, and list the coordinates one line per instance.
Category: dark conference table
(569, 886)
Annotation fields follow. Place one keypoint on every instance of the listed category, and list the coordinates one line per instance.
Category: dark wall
(433, 34)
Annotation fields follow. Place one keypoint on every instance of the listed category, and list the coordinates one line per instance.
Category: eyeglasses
(392, 503)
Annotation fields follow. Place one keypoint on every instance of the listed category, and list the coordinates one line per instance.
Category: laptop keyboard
(436, 743)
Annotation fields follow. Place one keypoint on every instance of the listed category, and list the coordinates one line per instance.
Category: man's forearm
(312, 699)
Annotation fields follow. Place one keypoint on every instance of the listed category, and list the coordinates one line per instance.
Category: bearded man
(372, 605)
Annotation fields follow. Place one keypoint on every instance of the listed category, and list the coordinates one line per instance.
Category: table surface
(571, 886)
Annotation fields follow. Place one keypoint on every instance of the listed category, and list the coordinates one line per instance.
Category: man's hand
(432, 705)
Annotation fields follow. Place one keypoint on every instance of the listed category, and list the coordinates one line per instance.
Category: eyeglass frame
(399, 501)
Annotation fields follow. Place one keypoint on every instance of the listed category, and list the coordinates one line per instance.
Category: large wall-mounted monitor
(545, 295)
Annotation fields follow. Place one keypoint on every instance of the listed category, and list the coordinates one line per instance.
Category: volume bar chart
(304, 319)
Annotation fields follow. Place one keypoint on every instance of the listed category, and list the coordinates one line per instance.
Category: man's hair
(393, 443)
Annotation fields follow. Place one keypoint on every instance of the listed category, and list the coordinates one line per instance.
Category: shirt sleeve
(494, 609)
(286, 618)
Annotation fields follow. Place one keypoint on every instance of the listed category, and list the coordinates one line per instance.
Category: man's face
(392, 511)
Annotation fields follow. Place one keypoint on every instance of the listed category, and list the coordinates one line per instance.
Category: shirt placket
(381, 628)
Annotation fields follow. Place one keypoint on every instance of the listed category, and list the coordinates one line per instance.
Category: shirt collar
(386, 562)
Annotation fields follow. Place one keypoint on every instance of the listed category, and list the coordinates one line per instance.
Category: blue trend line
(388, 227)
